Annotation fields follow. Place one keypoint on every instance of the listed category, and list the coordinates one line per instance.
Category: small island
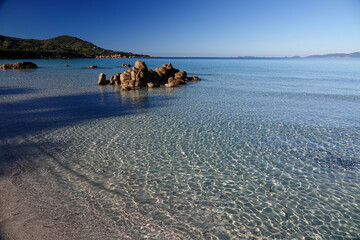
(140, 76)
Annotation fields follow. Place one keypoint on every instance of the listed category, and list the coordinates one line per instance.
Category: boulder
(102, 79)
(133, 75)
(141, 65)
(112, 80)
(169, 66)
(124, 76)
(168, 85)
(19, 65)
(160, 71)
(180, 75)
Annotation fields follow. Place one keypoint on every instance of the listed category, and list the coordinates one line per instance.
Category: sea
(258, 149)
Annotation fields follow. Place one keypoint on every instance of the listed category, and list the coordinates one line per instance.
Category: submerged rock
(19, 65)
(92, 66)
(141, 76)
(124, 65)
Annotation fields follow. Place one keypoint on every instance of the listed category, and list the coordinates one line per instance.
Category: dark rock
(180, 75)
(171, 80)
(92, 66)
(193, 79)
(19, 65)
(117, 79)
(124, 65)
(140, 75)
(161, 72)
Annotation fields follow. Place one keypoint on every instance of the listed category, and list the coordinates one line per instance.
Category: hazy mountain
(337, 55)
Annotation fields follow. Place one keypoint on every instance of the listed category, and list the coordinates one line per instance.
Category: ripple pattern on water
(202, 161)
(211, 178)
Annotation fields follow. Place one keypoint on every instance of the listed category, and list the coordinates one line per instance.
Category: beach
(256, 149)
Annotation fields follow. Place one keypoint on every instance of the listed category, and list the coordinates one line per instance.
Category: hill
(337, 55)
(58, 47)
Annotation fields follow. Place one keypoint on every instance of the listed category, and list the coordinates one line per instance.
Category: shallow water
(258, 148)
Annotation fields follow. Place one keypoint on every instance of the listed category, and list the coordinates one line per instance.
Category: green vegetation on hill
(58, 47)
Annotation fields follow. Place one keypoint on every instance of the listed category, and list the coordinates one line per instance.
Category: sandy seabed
(32, 210)
(34, 206)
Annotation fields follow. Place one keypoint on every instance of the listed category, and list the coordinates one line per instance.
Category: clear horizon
(257, 28)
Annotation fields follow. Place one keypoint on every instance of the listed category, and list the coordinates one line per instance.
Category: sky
(203, 28)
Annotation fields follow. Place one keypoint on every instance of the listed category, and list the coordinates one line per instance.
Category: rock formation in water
(92, 66)
(124, 65)
(141, 76)
(19, 65)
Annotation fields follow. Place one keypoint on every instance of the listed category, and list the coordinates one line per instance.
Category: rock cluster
(124, 65)
(141, 76)
(92, 66)
(19, 65)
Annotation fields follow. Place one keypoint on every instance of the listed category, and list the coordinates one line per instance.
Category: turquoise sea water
(257, 149)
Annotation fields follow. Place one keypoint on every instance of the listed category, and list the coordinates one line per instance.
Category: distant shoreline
(200, 58)
(68, 47)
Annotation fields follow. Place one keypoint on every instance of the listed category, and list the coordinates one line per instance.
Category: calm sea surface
(258, 148)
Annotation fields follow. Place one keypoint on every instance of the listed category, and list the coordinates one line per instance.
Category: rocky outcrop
(124, 65)
(92, 66)
(19, 65)
(140, 76)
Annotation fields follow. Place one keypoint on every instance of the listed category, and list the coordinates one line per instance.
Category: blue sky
(193, 28)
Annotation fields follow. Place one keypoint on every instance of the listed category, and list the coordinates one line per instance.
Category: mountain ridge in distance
(337, 55)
